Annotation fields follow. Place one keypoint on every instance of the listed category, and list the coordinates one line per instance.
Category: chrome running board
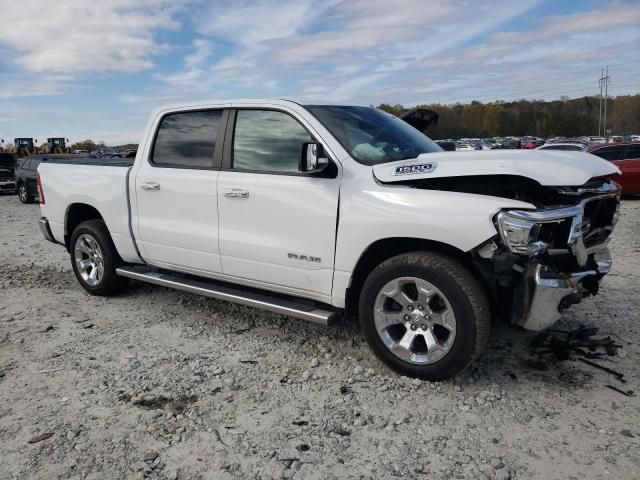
(298, 308)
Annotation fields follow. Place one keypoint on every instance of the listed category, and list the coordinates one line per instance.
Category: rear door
(175, 188)
(277, 225)
(614, 154)
(630, 167)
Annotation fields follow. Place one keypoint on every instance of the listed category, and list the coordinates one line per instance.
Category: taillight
(40, 192)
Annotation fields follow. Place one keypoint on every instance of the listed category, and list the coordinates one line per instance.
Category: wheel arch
(383, 249)
(76, 214)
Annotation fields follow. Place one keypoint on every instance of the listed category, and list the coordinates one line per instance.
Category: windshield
(372, 136)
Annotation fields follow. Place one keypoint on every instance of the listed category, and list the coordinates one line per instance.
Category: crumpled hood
(552, 168)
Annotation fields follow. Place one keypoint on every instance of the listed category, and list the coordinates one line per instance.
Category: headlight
(520, 235)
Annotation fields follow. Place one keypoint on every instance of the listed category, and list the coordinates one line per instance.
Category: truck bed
(85, 160)
(102, 184)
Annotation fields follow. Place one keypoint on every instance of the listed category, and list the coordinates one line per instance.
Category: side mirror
(313, 158)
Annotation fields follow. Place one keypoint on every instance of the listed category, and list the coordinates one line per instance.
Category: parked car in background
(464, 147)
(529, 143)
(103, 152)
(510, 143)
(570, 146)
(26, 171)
(80, 152)
(615, 139)
(447, 145)
(595, 139)
(27, 177)
(127, 154)
(626, 156)
(7, 174)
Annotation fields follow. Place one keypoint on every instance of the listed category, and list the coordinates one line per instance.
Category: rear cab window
(187, 139)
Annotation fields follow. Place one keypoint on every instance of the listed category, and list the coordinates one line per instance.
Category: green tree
(565, 117)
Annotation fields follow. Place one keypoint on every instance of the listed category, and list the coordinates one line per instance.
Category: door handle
(236, 193)
(150, 186)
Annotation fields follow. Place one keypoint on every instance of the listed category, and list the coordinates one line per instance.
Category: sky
(96, 68)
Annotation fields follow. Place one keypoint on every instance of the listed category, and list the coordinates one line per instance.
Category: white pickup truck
(316, 211)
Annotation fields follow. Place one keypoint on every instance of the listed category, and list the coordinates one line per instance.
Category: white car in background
(566, 146)
(464, 147)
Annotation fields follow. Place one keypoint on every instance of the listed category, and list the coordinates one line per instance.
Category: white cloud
(203, 50)
(27, 85)
(85, 35)
(332, 49)
(252, 22)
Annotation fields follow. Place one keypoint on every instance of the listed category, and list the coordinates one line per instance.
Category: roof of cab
(282, 102)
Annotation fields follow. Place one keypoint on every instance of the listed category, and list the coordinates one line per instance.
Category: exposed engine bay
(509, 186)
(543, 260)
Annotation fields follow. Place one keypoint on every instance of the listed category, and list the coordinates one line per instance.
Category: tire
(23, 194)
(91, 245)
(432, 316)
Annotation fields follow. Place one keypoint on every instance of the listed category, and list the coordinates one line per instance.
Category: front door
(277, 226)
(175, 188)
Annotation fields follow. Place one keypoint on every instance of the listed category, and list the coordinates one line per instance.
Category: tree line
(564, 118)
(90, 145)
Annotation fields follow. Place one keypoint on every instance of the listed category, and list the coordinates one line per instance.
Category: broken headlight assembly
(532, 233)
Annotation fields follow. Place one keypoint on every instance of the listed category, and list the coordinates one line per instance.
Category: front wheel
(425, 315)
(94, 259)
(23, 194)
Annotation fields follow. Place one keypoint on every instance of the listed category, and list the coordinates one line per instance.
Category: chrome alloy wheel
(23, 193)
(414, 320)
(89, 259)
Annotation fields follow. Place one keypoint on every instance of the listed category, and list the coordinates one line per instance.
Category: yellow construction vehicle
(24, 147)
(56, 145)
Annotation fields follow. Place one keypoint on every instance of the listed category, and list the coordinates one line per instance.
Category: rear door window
(610, 153)
(187, 139)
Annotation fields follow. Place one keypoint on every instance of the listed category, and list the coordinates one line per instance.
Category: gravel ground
(161, 384)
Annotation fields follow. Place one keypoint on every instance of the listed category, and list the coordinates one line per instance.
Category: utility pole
(606, 96)
(600, 81)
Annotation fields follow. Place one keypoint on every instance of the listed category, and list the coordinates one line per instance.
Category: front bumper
(46, 229)
(7, 186)
(547, 293)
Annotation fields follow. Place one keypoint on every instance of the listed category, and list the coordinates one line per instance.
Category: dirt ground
(161, 384)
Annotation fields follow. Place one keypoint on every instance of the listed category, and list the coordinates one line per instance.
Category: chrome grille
(600, 216)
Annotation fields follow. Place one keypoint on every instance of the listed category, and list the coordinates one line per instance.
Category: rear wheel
(94, 259)
(425, 315)
(23, 194)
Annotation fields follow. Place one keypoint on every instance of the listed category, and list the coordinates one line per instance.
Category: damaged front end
(548, 259)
